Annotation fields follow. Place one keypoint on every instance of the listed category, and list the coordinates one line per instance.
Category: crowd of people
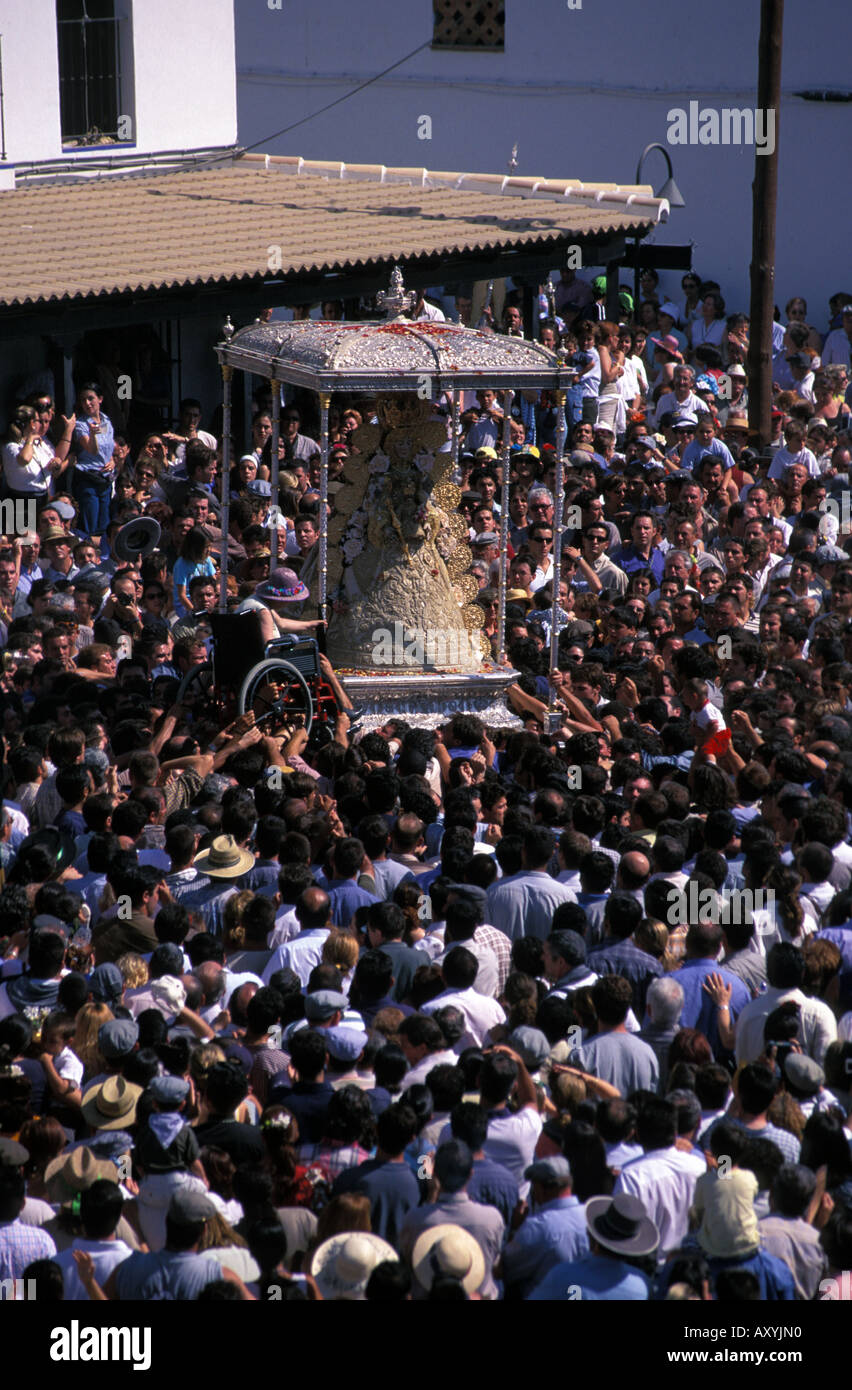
(559, 1010)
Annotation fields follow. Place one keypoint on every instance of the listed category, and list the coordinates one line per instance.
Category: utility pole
(764, 203)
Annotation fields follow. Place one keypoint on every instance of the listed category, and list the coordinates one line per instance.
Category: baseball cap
(550, 1171)
(168, 1090)
(106, 983)
(12, 1154)
(117, 1038)
(324, 1004)
(803, 1072)
(532, 1045)
(189, 1208)
(579, 628)
(345, 1044)
(470, 891)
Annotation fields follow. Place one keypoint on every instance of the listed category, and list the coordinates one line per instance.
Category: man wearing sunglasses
(594, 570)
(541, 548)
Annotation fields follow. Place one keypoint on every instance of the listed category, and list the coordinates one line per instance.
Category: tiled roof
(122, 234)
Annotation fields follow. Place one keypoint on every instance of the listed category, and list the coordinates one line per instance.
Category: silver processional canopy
(394, 354)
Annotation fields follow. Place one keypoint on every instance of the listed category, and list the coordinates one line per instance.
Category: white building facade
(90, 79)
(581, 86)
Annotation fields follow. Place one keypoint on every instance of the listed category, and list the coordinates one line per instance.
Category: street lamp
(669, 191)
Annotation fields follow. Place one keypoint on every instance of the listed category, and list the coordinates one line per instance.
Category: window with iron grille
(91, 36)
(469, 24)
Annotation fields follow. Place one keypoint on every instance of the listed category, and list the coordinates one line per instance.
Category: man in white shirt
(100, 1212)
(595, 571)
(682, 399)
(481, 1013)
(540, 540)
(664, 1178)
(313, 912)
(512, 1134)
(785, 972)
(463, 918)
(428, 313)
(424, 1046)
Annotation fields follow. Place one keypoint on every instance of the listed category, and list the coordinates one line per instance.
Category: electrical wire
(246, 149)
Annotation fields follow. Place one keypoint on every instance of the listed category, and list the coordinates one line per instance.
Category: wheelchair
(280, 682)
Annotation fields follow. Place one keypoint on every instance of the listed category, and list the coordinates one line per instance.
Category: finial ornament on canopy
(397, 300)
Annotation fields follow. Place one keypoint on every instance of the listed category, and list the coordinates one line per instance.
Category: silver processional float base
(426, 699)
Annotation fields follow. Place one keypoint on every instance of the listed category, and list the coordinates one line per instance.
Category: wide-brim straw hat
(448, 1251)
(70, 1174)
(342, 1265)
(224, 859)
(111, 1104)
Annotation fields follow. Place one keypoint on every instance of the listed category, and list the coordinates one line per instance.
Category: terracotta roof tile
(129, 233)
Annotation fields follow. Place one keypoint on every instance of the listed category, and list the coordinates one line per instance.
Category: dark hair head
(469, 1123)
(225, 1087)
(308, 1053)
(267, 1243)
(756, 1088)
(390, 1282)
(100, 1209)
(785, 966)
(657, 1123)
(460, 968)
(612, 996)
(395, 1128)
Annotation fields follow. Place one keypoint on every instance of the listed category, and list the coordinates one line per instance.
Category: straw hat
(112, 1104)
(342, 1265)
(224, 859)
(69, 1174)
(56, 533)
(448, 1250)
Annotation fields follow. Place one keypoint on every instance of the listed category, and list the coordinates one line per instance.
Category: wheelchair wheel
(294, 697)
(197, 685)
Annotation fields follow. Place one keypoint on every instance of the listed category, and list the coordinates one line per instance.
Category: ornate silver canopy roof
(394, 355)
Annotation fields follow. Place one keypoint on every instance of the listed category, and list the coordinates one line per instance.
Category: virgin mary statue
(401, 598)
